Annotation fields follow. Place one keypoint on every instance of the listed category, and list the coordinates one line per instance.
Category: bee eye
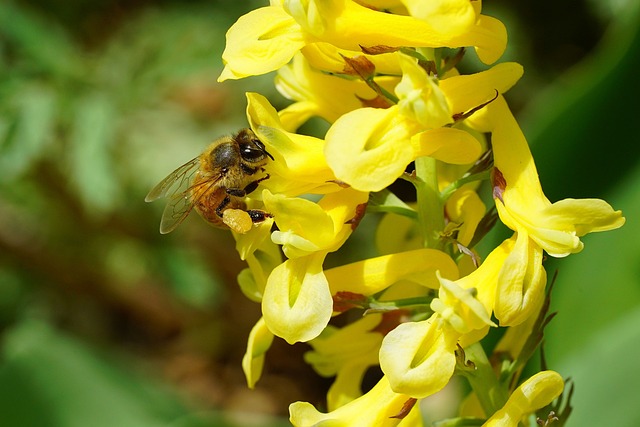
(251, 154)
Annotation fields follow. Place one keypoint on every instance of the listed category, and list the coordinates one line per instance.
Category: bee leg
(257, 216)
(241, 192)
(223, 204)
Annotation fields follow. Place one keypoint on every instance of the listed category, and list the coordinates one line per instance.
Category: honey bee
(215, 184)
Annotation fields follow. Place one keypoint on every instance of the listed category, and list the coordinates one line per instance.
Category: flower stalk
(430, 206)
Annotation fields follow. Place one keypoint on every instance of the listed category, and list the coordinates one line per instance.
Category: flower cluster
(383, 74)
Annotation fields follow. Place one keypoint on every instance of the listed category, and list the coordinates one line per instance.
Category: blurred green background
(107, 323)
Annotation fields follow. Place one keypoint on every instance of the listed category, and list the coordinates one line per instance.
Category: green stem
(430, 207)
(484, 382)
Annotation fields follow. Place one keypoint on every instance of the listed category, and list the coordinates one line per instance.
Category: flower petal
(521, 282)
(455, 16)
(465, 92)
(299, 166)
(375, 274)
(297, 304)
(369, 148)
(260, 339)
(263, 40)
(418, 357)
(376, 408)
(449, 145)
(586, 215)
(535, 393)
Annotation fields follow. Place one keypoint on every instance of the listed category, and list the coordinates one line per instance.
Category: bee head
(252, 149)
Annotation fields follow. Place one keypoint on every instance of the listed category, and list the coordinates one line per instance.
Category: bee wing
(176, 182)
(175, 212)
(176, 186)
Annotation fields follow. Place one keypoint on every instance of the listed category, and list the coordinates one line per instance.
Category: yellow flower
(535, 393)
(261, 41)
(376, 274)
(466, 209)
(459, 307)
(319, 94)
(260, 340)
(267, 38)
(370, 148)
(346, 353)
(421, 98)
(521, 283)
(299, 166)
(330, 59)
(379, 407)
(262, 260)
(418, 357)
(305, 227)
(297, 304)
(522, 205)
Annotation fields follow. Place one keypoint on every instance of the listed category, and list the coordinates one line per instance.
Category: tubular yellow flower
(465, 208)
(459, 307)
(300, 166)
(521, 282)
(305, 227)
(420, 96)
(260, 340)
(320, 94)
(297, 304)
(375, 274)
(261, 41)
(346, 353)
(535, 393)
(328, 58)
(418, 357)
(522, 205)
(379, 407)
(389, 139)
(374, 156)
(267, 38)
